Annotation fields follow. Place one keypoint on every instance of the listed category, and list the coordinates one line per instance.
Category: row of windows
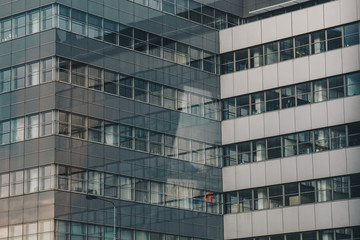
(352, 233)
(42, 230)
(111, 32)
(135, 189)
(73, 230)
(114, 134)
(26, 75)
(141, 90)
(289, 194)
(27, 181)
(306, 142)
(286, 49)
(27, 23)
(95, 130)
(291, 96)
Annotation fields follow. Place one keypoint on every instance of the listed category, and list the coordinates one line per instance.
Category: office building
(211, 119)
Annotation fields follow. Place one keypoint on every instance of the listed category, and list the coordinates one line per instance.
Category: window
(171, 195)
(94, 232)
(78, 74)
(351, 34)
(17, 77)
(78, 180)
(156, 143)
(46, 123)
(126, 87)
(46, 174)
(63, 69)
(110, 31)
(354, 134)
(197, 149)
(231, 202)
(95, 27)
(353, 84)
(111, 185)
(126, 36)
(272, 100)
(271, 53)
(260, 198)
(5, 76)
(183, 103)
(323, 189)
(242, 106)
(301, 46)
(275, 196)
(305, 142)
(338, 137)
(95, 130)
(196, 104)
(326, 235)
(273, 147)
(321, 140)
(171, 146)
(256, 56)
(33, 74)
(287, 97)
(46, 18)
(5, 30)
(303, 93)
(141, 90)
(31, 180)
(33, 22)
(95, 78)
(16, 183)
(63, 177)
(318, 42)
(78, 126)
(111, 134)
(155, 43)
(320, 90)
(169, 97)
(156, 4)
(307, 192)
(289, 145)
(78, 23)
(185, 200)
(355, 185)
(111, 82)
(18, 24)
(17, 130)
(245, 201)
(286, 49)
(196, 56)
(229, 154)
(334, 40)
(340, 187)
(156, 193)
(209, 62)
(257, 103)
(32, 126)
(258, 150)
(228, 108)
(5, 132)
(336, 87)
(184, 149)
(182, 53)
(95, 183)
(125, 188)
(343, 233)
(46, 70)
(169, 49)
(241, 58)
(141, 139)
(64, 17)
(291, 194)
(244, 153)
(4, 185)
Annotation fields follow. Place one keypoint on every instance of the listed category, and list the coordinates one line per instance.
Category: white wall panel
(230, 226)
(291, 219)
(259, 223)
(227, 85)
(229, 178)
(348, 11)
(289, 169)
(354, 209)
(226, 38)
(287, 120)
(283, 26)
(240, 83)
(272, 123)
(319, 115)
(256, 126)
(244, 225)
(299, 22)
(352, 159)
(301, 69)
(317, 66)
(306, 217)
(255, 80)
(243, 176)
(227, 131)
(275, 221)
(351, 105)
(239, 37)
(268, 27)
(286, 73)
(273, 172)
(242, 129)
(332, 14)
(337, 162)
(336, 113)
(302, 118)
(340, 213)
(253, 33)
(350, 58)
(304, 167)
(258, 174)
(321, 164)
(333, 61)
(270, 76)
(315, 18)
(323, 215)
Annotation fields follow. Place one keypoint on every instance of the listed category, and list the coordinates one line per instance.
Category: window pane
(302, 46)
(5, 132)
(95, 130)
(307, 192)
(33, 22)
(257, 103)
(5, 30)
(78, 74)
(271, 53)
(305, 142)
(286, 49)
(320, 90)
(231, 202)
(258, 150)
(111, 134)
(242, 106)
(111, 82)
(260, 198)
(256, 56)
(288, 97)
(155, 94)
(245, 201)
(33, 74)
(17, 77)
(275, 196)
(244, 152)
(340, 187)
(334, 40)
(291, 194)
(272, 100)
(303, 93)
(353, 84)
(32, 126)
(355, 185)
(318, 42)
(274, 147)
(290, 147)
(321, 140)
(18, 26)
(78, 126)
(338, 137)
(31, 180)
(354, 134)
(351, 34)
(323, 190)
(5, 77)
(242, 58)
(46, 18)
(228, 106)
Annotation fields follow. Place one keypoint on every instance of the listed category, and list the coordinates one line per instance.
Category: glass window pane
(256, 56)
(260, 198)
(33, 22)
(271, 53)
(338, 137)
(303, 93)
(5, 132)
(305, 142)
(286, 49)
(291, 194)
(274, 147)
(242, 106)
(302, 46)
(275, 196)
(33, 74)
(17, 77)
(318, 42)
(78, 126)
(287, 97)
(355, 185)
(258, 150)
(228, 106)
(340, 187)
(354, 134)
(320, 90)
(336, 87)
(5, 78)
(18, 25)
(290, 145)
(5, 30)
(32, 126)
(111, 82)
(46, 18)
(244, 152)
(111, 134)
(245, 201)
(321, 140)
(351, 34)
(257, 103)
(307, 192)
(272, 100)
(353, 84)
(231, 202)
(242, 58)
(323, 188)
(334, 40)
(78, 73)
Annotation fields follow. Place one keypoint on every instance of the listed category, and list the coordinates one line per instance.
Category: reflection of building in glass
(198, 119)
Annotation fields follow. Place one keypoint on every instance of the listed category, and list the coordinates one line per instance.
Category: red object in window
(209, 198)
